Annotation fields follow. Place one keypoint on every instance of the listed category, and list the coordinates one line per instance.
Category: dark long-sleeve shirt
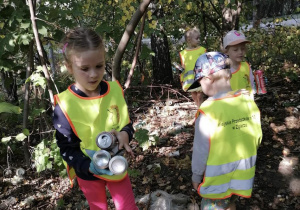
(69, 143)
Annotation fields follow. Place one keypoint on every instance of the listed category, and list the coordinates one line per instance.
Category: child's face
(88, 69)
(236, 52)
(194, 40)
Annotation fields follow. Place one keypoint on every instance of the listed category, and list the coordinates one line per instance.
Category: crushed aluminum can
(106, 140)
(20, 172)
(118, 165)
(178, 67)
(101, 159)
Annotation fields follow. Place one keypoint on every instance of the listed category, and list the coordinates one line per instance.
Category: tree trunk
(230, 17)
(9, 86)
(256, 13)
(52, 59)
(162, 69)
(26, 102)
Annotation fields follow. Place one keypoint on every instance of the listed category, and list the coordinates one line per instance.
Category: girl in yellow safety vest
(227, 136)
(88, 107)
(188, 58)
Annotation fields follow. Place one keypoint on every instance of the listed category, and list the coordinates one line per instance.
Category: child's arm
(200, 149)
(71, 153)
(69, 143)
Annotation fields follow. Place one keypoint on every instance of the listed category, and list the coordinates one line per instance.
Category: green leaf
(26, 132)
(9, 43)
(25, 25)
(63, 173)
(40, 163)
(43, 30)
(20, 137)
(60, 203)
(37, 112)
(58, 35)
(134, 173)
(6, 139)
(25, 39)
(37, 80)
(49, 165)
(9, 108)
(141, 135)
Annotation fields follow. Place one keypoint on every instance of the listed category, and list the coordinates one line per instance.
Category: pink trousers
(95, 193)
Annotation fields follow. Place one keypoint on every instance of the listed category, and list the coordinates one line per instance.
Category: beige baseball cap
(233, 38)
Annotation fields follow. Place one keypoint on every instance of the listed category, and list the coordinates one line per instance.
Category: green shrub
(275, 50)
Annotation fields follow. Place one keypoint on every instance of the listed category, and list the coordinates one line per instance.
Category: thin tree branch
(36, 35)
(126, 37)
(52, 24)
(127, 83)
(220, 14)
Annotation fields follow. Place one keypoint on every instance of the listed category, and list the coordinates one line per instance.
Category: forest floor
(168, 115)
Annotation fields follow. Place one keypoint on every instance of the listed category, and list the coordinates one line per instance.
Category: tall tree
(161, 61)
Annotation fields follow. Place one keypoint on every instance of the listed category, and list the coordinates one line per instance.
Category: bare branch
(126, 37)
(127, 83)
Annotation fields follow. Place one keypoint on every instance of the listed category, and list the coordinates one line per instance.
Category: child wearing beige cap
(235, 46)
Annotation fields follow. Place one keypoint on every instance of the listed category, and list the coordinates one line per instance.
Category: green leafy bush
(275, 50)
(47, 156)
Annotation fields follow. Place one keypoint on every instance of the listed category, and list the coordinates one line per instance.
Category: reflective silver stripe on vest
(190, 72)
(189, 81)
(217, 170)
(233, 184)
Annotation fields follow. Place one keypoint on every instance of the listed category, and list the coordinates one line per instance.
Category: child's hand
(244, 92)
(195, 185)
(123, 139)
(97, 171)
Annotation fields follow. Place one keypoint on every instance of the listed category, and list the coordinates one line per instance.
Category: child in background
(188, 58)
(83, 111)
(227, 136)
(234, 43)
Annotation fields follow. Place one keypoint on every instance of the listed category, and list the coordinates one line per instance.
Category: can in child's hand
(118, 165)
(259, 81)
(106, 140)
(101, 159)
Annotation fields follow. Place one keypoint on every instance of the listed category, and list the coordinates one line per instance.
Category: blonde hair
(80, 39)
(191, 31)
(224, 73)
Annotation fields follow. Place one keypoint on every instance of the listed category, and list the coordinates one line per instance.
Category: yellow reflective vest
(188, 59)
(235, 138)
(89, 116)
(240, 79)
